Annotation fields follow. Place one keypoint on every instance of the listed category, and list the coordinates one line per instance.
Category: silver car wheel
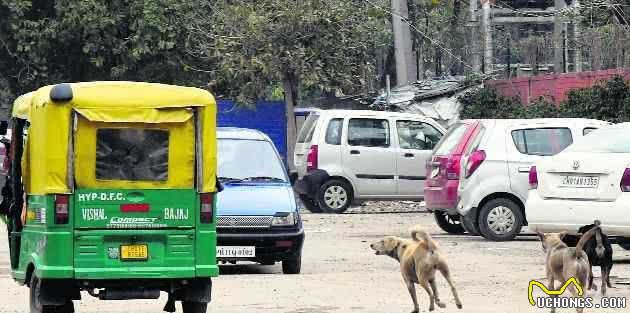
(501, 220)
(335, 197)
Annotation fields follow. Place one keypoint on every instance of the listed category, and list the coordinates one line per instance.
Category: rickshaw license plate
(134, 252)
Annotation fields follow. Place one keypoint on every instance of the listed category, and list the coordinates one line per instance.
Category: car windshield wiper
(230, 180)
(267, 178)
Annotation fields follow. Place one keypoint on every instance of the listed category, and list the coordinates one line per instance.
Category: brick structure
(553, 87)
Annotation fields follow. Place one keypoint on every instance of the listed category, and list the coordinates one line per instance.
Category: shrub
(609, 101)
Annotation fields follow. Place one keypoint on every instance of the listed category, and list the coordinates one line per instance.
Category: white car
(493, 186)
(588, 181)
(343, 155)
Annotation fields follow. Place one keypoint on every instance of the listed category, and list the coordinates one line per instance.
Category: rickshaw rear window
(132, 154)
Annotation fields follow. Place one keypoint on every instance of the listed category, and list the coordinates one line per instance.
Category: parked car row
(495, 163)
(475, 177)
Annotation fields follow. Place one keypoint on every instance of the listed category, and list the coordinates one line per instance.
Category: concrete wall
(268, 117)
(553, 87)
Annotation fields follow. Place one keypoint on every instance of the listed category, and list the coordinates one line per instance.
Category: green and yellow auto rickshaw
(111, 190)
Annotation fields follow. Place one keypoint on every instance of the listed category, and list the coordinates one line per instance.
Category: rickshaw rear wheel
(194, 307)
(37, 307)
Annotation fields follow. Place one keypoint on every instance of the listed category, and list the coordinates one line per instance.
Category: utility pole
(559, 29)
(406, 70)
(509, 57)
(474, 37)
(565, 66)
(389, 91)
(488, 55)
(419, 59)
(577, 52)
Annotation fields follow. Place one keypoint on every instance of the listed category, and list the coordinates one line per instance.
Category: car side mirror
(4, 126)
(219, 185)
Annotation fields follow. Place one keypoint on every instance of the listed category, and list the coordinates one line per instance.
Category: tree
(44, 42)
(303, 46)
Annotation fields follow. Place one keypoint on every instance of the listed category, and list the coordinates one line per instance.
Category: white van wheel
(310, 204)
(335, 196)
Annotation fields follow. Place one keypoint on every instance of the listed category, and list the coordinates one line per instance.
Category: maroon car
(443, 170)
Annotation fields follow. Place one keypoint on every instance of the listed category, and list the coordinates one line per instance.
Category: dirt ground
(341, 274)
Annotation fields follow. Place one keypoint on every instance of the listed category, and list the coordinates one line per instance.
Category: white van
(347, 155)
(495, 167)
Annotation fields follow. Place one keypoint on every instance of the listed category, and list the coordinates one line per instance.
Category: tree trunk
(290, 99)
(596, 53)
(456, 66)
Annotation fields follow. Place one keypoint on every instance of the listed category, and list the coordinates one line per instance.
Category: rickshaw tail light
(61, 209)
(134, 207)
(206, 212)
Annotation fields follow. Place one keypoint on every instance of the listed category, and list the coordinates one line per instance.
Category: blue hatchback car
(257, 213)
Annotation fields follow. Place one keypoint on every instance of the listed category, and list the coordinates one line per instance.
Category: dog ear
(540, 234)
(562, 234)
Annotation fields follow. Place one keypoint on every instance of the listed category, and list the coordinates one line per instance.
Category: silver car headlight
(284, 219)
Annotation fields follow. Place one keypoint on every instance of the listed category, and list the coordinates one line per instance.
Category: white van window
(299, 122)
(417, 135)
(542, 141)
(333, 132)
(367, 132)
(308, 128)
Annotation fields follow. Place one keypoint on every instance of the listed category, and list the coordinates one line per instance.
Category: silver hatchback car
(494, 183)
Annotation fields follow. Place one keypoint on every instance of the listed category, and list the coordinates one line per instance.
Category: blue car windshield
(249, 160)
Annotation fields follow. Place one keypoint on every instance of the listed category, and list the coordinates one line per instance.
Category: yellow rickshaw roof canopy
(117, 94)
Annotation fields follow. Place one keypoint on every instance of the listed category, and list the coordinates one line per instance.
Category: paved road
(341, 274)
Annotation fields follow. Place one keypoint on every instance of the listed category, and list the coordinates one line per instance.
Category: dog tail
(419, 234)
(599, 249)
(584, 239)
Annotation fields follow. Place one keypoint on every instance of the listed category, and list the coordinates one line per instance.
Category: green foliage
(44, 42)
(541, 108)
(609, 101)
(485, 103)
(248, 47)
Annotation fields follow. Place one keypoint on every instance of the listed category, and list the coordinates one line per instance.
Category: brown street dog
(419, 259)
(563, 262)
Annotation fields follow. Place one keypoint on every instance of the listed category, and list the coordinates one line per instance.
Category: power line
(622, 14)
(435, 42)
